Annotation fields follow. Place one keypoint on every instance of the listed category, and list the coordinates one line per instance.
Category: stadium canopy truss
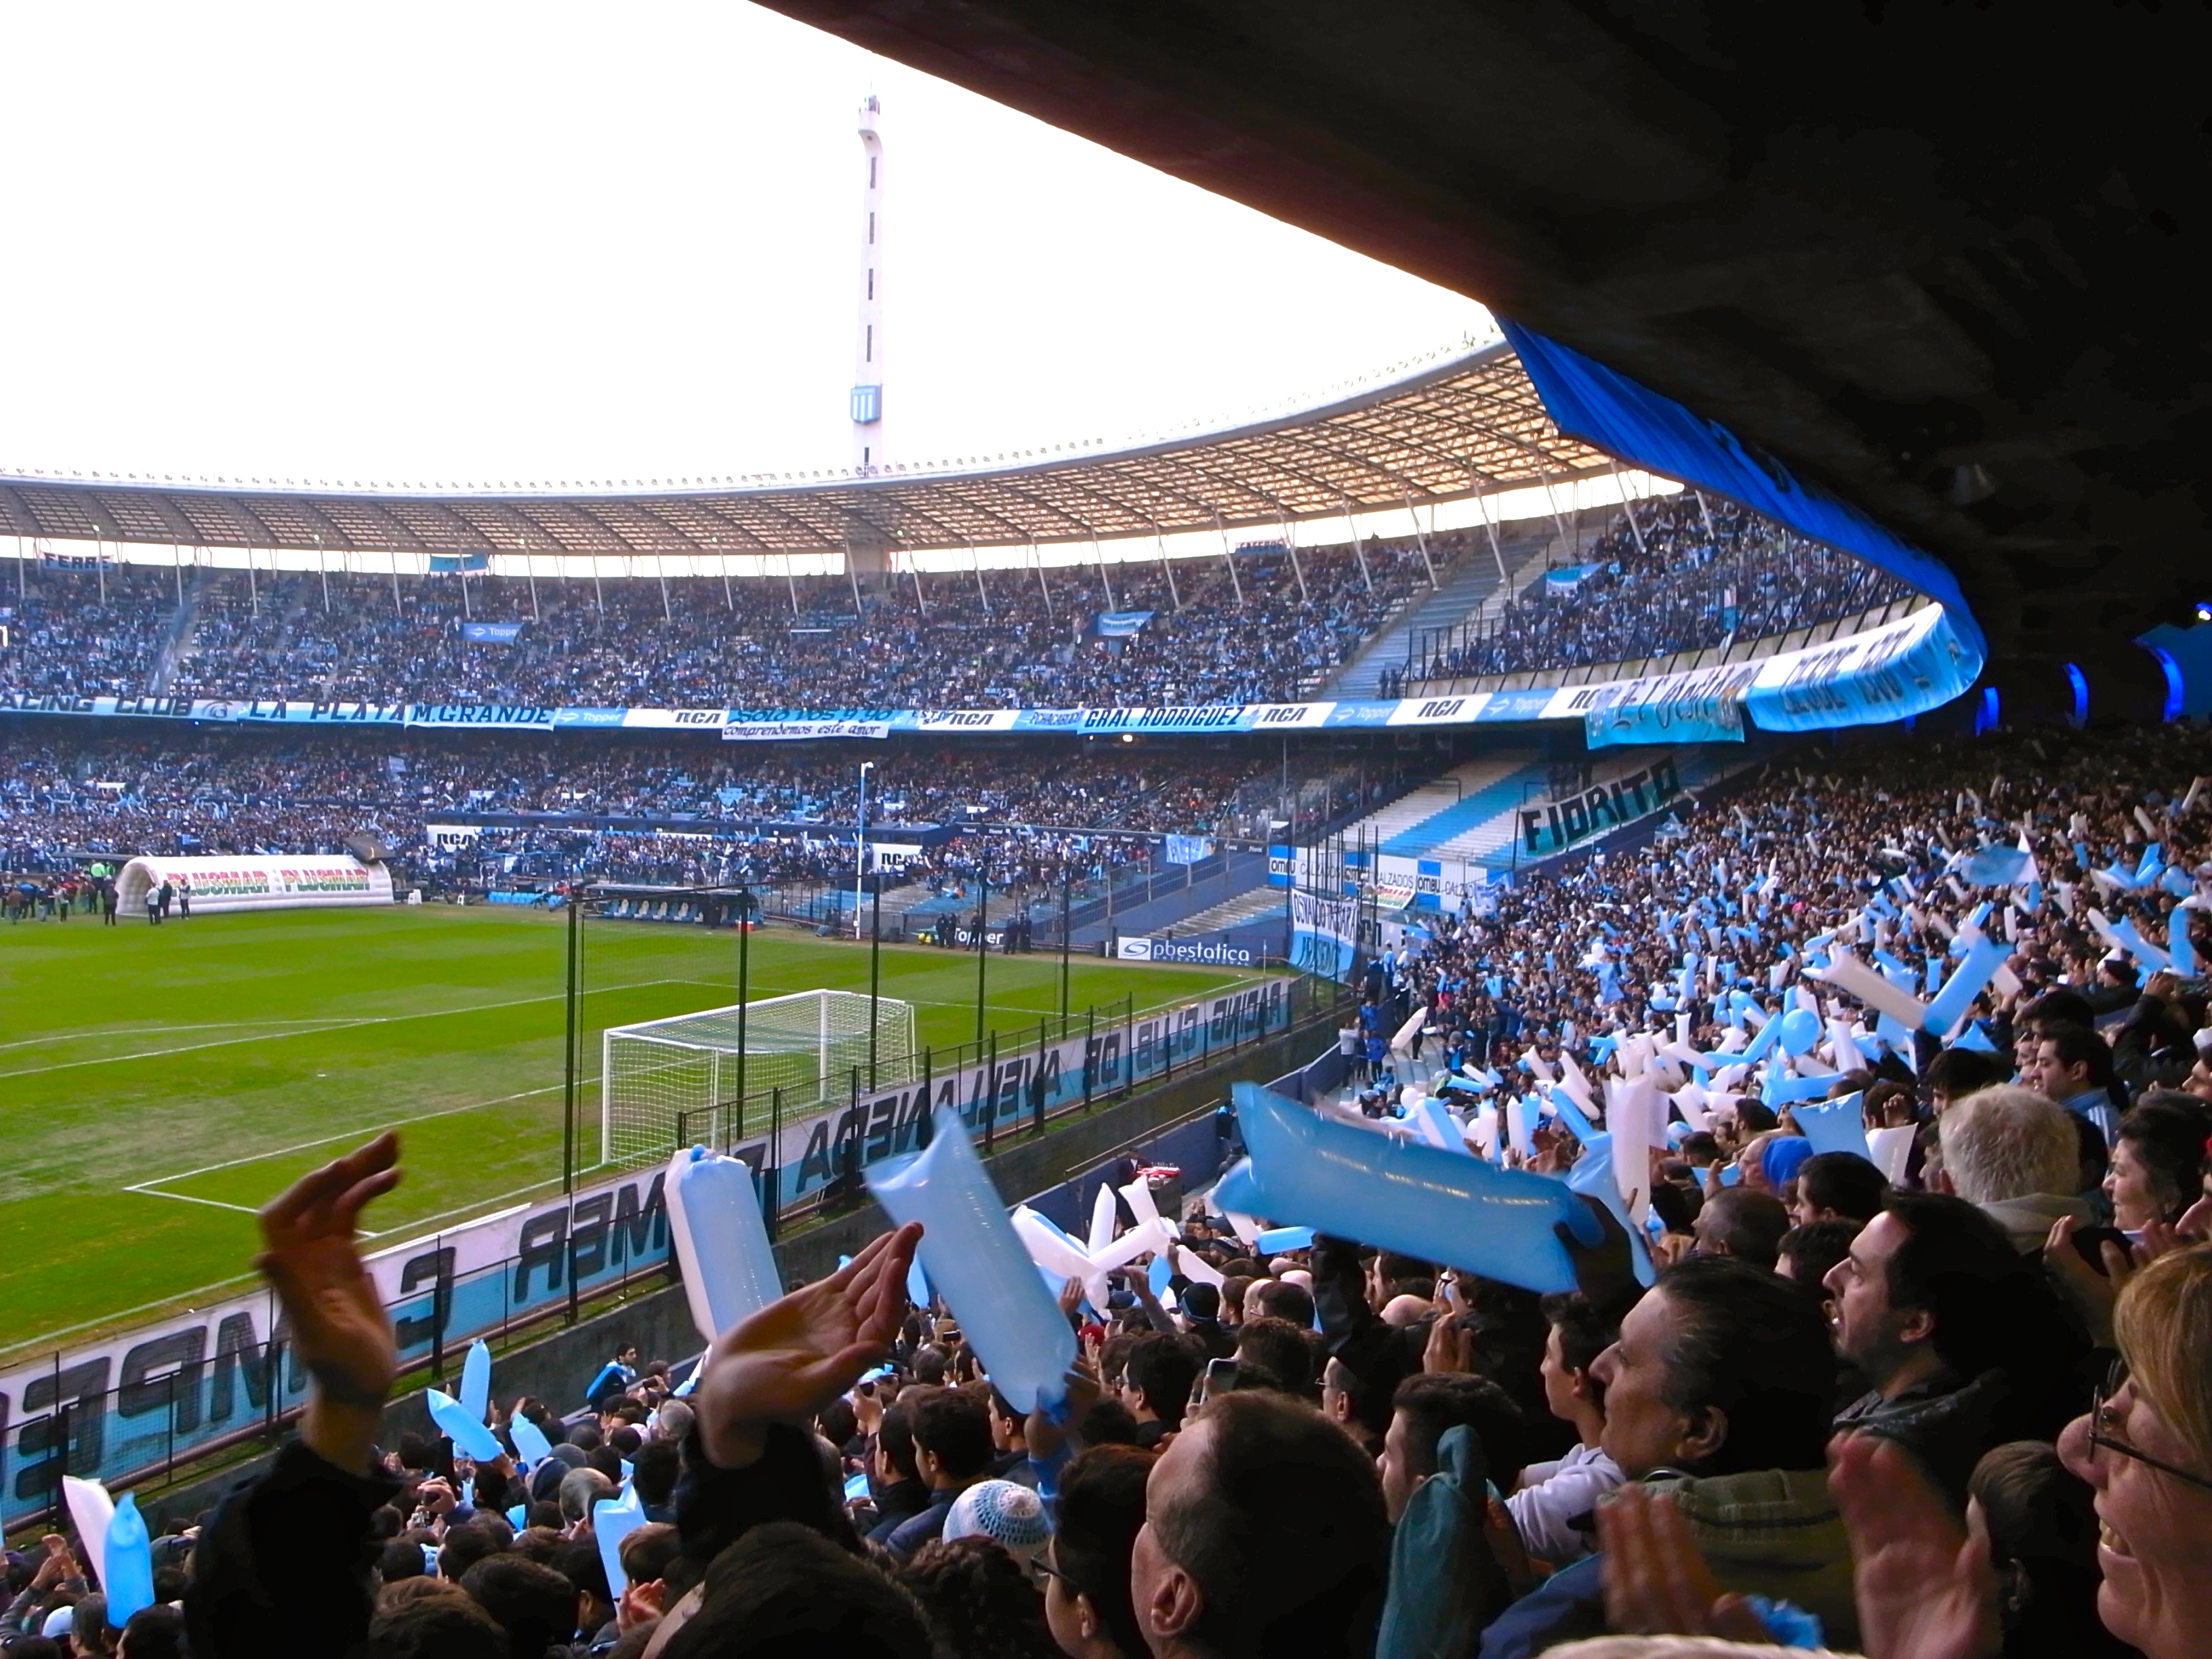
(1467, 425)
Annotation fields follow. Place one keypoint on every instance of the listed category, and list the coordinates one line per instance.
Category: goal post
(808, 1044)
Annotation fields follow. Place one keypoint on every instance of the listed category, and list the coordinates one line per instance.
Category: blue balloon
(1278, 1240)
(1414, 1200)
(721, 1238)
(1800, 1030)
(476, 1382)
(977, 1264)
(126, 1563)
(468, 1434)
(531, 1444)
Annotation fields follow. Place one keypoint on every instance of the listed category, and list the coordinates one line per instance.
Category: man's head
(466, 1544)
(1931, 1286)
(2069, 1060)
(1361, 1399)
(1954, 1073)
(89, 1631)
(1428, 1404)
(894, 1455)
(1580, 1331)
(433, 1620)
(1265, 1536)
(580, 1490)
(1722, 1368)
(1836, 1186)
(1158, 1376)
(1286, 1351)
(1276, 1298)
(783, 1591)
(535, 1605)
(2007, 1142)
(951, 1438)
(1742, 1223)
(1810, 1251)
(1101, 1505)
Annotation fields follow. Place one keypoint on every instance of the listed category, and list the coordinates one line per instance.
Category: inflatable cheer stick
(976, 1263)
(720, 1237)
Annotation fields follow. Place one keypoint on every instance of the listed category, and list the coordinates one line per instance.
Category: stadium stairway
(1497, 791)
(178, 637)
(1256, 904)
(1388, 824)
(1461, 592)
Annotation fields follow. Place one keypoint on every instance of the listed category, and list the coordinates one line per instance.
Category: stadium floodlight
(660, 1077)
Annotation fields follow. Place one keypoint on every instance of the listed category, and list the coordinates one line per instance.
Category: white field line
(153, 1030)
(322, 1030)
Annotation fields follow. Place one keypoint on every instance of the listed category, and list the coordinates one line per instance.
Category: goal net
(680, 1075)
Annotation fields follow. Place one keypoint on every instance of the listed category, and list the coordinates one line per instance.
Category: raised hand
(338, 1328)
(1657, 1581)
(1925, 1586)
(787, 1362)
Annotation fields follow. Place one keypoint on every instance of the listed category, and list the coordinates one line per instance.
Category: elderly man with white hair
(2014, 1152)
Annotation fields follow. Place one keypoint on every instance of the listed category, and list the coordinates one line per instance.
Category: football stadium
(971, 1056)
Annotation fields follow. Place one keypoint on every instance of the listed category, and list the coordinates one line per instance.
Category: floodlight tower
(868, 345)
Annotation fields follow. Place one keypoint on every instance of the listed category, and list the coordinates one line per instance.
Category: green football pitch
(158, 1084)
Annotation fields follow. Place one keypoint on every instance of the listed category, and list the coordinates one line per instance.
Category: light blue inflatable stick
(1414, 1200)
(1781, 1089)
(1966, 983)
(1769, 1034)
(1593, 1176)
(1443, 1126)
(1157, 1275)
(917, 1284)
(126, 1565)
(976, 1263)
(614, 1519)
(2179, 945)
(2139, 947)
(1579, 1125)
(1278, 1241)
(517, 1516)
(531, 1444)
(1833, 1126)
(476, 1382)
(720, 1239)
(468, 1434)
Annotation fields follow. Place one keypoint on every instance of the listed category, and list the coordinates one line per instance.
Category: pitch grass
(157, 1086)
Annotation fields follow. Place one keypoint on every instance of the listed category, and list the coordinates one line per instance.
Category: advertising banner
(1172, 949)
(256, 883)
(1120, 625)
(673, 720)
(492, 633)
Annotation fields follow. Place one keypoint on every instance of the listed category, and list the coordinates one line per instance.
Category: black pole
(744, 971)
(876, 973)
(571, 1038)
(982, 951)
(1066, 892)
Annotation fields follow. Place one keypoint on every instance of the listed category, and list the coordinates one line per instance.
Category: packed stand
(1690, 573)
(691, 811)
(992, 638)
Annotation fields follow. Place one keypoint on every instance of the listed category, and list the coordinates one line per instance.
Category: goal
(664, 1078)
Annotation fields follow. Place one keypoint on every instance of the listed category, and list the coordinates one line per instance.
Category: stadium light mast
(867, 396)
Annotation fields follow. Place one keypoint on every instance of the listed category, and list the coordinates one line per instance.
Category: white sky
(502, 243)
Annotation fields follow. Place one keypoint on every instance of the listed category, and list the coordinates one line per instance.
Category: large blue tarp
(1638, 425)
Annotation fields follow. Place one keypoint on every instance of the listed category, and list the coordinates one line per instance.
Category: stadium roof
(1947, 266)
(1463, 426)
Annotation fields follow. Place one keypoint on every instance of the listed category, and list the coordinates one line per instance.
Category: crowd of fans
(1954, 1408)
(261, 792)
(1271, 628)
(1688, 574)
